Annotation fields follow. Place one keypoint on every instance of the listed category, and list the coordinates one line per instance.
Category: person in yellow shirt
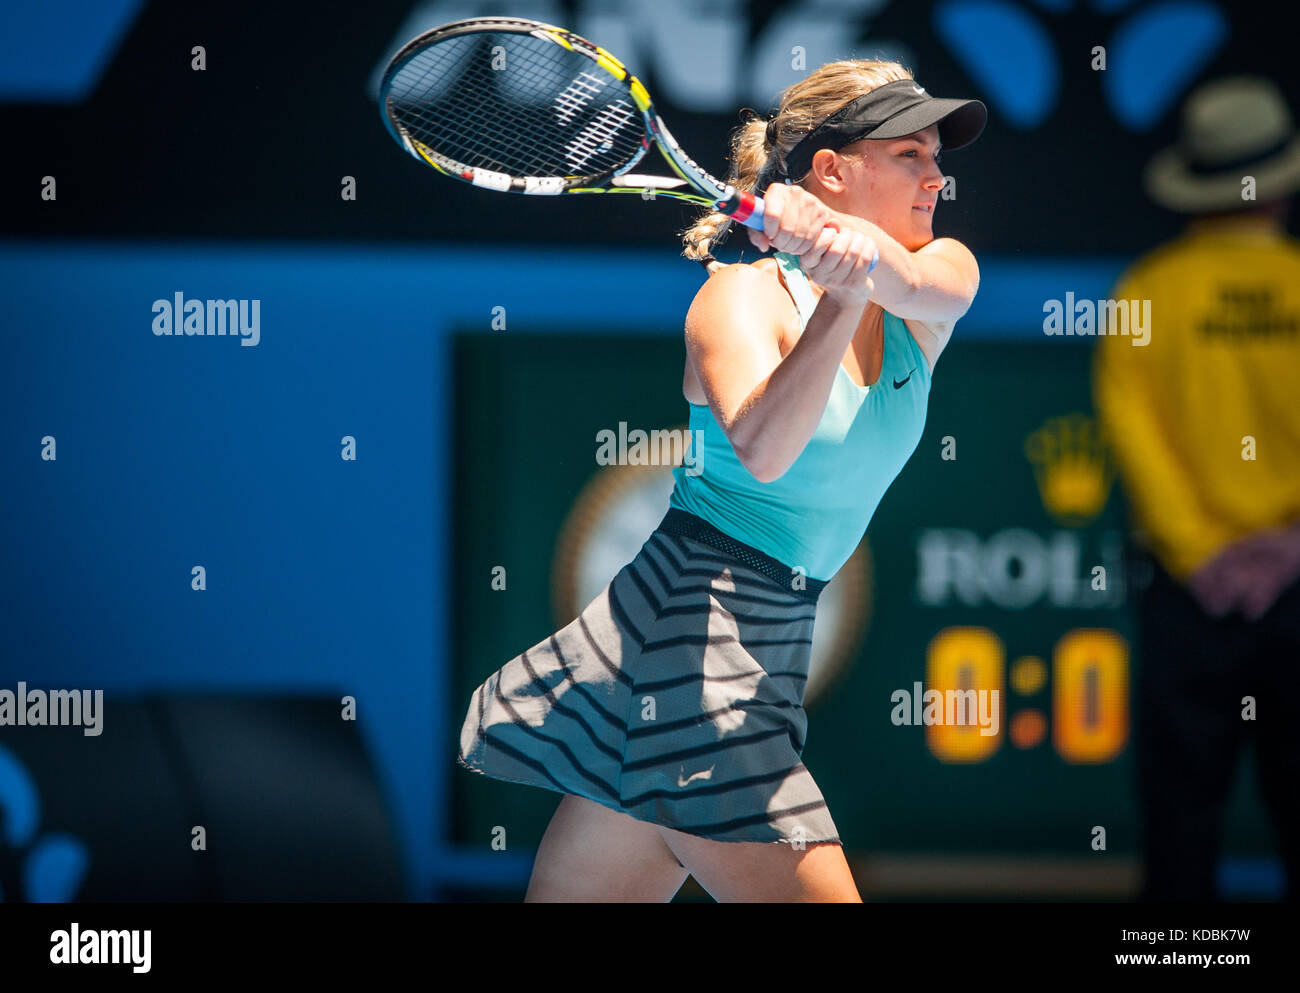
(1203, 414)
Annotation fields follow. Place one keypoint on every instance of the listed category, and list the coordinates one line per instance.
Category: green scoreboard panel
(992, 574)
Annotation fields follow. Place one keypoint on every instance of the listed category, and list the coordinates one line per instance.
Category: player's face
(895, 184)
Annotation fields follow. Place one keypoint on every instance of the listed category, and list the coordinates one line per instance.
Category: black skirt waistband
(682, 522)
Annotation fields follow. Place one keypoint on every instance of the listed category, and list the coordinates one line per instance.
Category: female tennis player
(670, 711)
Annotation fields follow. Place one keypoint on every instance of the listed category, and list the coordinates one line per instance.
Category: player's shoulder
(766, 266)
(760, 276)
(765, 272)
(752, 289)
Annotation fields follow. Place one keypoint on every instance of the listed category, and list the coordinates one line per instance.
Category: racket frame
(702, 188)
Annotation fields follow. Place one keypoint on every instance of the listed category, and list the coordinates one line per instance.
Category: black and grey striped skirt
(676, 696)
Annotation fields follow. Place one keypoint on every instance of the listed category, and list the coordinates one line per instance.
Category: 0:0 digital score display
(1089, 717)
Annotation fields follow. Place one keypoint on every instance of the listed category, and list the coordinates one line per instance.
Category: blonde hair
(800, 109)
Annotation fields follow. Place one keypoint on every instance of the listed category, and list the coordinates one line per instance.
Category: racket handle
(750, 213)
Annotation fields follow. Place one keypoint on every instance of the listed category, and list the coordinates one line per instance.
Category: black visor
(894, 110)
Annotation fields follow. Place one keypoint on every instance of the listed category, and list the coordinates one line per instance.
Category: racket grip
(750, 213)
(749, 210)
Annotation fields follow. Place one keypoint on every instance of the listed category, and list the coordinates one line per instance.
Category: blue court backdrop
(333, 575)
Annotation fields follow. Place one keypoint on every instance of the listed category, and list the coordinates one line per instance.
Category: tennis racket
(519, 106)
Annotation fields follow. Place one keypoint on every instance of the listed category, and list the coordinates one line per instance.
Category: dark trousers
(1189, 729)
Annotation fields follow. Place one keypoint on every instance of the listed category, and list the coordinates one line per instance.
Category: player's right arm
(767, 405)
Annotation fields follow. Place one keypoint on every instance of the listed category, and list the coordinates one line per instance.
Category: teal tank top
(815, 515)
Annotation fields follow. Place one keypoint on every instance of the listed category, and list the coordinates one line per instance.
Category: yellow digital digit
(1090, 695)
(965, 666)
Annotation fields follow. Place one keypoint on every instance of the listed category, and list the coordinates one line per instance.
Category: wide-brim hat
(1232, 128)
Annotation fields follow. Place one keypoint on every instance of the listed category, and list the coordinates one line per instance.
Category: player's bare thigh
(592, 854)
(753, 872)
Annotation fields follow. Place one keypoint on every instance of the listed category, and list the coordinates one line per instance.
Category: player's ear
(827, 166)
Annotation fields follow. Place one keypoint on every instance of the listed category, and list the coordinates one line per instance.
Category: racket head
(515, 105)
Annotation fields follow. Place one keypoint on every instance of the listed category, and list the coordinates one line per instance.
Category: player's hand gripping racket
(523, 107)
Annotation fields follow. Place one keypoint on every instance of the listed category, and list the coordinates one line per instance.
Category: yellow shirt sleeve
(1156, 480)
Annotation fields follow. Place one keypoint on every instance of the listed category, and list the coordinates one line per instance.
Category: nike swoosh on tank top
(815, 515)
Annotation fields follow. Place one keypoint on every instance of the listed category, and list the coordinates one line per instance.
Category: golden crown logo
(1073, 466)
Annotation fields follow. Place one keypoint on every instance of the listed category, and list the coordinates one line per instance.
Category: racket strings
(545, 111)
